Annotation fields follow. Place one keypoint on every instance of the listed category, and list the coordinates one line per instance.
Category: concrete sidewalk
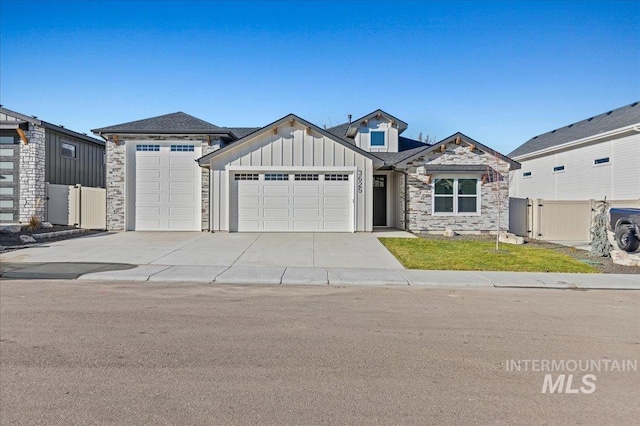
(314, 276)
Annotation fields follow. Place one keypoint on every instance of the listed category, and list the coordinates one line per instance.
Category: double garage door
(167, 187)
(291, 202)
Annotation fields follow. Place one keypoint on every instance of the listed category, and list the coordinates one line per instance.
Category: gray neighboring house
(178, 172)
(34, 152)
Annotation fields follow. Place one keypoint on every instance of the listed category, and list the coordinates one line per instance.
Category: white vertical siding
(362, 139)
(291, 147)
(582, 179)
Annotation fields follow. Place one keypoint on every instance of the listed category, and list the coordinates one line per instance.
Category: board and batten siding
(581, 179)
(362, 138)
(87, 169)
(291, 148)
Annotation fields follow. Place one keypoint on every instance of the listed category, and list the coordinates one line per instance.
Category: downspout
(406, 201)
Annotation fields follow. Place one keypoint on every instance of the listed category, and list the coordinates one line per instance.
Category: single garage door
(167, 186)
(291, 202)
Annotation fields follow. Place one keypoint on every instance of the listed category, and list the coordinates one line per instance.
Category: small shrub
(34, 223)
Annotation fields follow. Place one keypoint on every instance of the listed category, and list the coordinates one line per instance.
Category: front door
(379, 200)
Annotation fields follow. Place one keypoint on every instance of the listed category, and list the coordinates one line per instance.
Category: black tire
(627, 239)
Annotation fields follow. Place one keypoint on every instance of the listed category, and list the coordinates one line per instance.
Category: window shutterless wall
(87, 168)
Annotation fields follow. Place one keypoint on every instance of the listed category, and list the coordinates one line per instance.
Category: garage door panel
(289, 205)
(306, 201)
(144, 185)
(312, 189)
(181, 159)
(278, 189)
(335, 213)
(276, 201)
(147, 160)
(306, 226)
(335, 189)
(248, 201)
(335, 201)
(142, 197)
(276, 225)
(182, 186)
(299, 213)
(143, 224)
(181, 174)
(244, 213)
(182, 198)
(181, 211)
(148, 174)
(245, 188)
(275, 213)
(143, 211)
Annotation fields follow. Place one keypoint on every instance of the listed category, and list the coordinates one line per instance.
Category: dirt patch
(12, 241)
(603, 264)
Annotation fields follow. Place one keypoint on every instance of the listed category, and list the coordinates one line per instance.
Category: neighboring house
(33, 152)
(177, 172)
(591, 159)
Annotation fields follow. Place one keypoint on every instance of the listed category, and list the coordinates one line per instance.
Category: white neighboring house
(591, 159)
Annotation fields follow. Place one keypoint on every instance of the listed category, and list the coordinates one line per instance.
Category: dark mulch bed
(12, 241)
(603, 264)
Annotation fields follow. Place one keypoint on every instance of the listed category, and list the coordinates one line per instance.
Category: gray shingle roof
(340, 131)
(406, 147)
(241, 132)
(177, 122)
(621, 117)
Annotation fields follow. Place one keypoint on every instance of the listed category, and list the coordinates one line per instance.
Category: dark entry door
(379, 200)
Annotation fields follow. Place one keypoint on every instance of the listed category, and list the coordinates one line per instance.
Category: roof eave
(593, 138)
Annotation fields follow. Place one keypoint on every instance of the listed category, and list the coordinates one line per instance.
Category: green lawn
(420, 253)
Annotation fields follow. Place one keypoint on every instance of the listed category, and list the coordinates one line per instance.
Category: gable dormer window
(377, 138)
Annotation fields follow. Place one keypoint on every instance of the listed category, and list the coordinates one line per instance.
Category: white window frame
(455, 195)
(386, 138)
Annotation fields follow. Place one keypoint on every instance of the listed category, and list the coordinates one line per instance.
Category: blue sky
(500, 72)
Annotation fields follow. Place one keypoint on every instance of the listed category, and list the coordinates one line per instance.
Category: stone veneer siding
(115, 185)
(419, 207)
(32, 175)
(206, 196)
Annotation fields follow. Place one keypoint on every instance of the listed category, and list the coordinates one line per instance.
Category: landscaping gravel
(602, 264)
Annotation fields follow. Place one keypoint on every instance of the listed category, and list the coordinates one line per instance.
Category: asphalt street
(76, 352)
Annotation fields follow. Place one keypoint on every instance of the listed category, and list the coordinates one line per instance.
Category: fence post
(78, 191)
(46, 201)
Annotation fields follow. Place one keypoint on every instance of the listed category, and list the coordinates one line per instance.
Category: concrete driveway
(326, 250)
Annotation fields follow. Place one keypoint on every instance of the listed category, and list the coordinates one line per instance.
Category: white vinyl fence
(77, 205)
(557, 220)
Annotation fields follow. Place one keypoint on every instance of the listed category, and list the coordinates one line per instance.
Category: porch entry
(379, 200)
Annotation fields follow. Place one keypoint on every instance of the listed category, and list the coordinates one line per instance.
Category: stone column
(206, 149)
(115, 185)
(32, 174)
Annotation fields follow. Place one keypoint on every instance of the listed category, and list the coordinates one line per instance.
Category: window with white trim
(182, 148)
(334, 177)
(144, 147)
(276, 176)
(377, 138)
(455, 196)
(604, 160)
(558, 169)
(305, 176)
(246, 176)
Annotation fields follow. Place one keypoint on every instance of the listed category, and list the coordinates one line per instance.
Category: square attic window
(68, 150)
(377, 138)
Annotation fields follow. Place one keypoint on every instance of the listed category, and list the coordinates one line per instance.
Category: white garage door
(167, 183)
(291, 202)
